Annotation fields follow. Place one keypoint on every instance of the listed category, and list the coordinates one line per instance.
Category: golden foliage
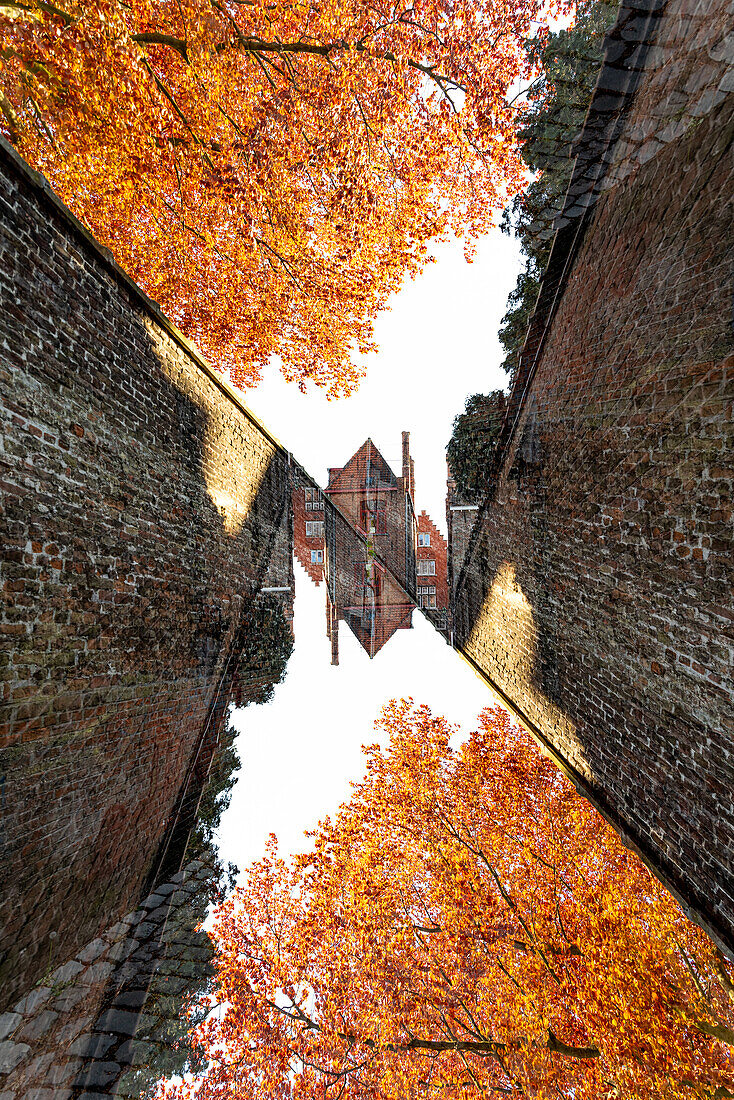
(466, 926)
(269, 172)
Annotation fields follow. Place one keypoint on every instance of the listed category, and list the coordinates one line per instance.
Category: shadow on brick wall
(143, 510)
(596, 592)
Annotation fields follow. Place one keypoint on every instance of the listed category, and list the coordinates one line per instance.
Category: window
(427, 595)
(314, 529)
(425, 568)
(313, 504)
(366, 581)
(317, 556)
(372, 513)
(424, 538)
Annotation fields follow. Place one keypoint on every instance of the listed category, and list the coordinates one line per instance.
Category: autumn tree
(269, 172)
(466, 926)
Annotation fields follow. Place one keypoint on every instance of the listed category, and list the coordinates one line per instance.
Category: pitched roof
(387, 619)
(367, 460)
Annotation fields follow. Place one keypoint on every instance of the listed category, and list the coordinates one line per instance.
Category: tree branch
(50, 9)
(154, 38)
(557, 1047)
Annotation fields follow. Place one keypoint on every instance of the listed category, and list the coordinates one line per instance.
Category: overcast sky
(301, 751)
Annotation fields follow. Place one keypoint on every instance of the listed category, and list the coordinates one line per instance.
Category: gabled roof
(387, 619)
(354, 474)
(425, 523)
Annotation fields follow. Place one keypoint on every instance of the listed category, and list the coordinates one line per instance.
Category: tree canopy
(270, 172)
(470, 451)
(558, 99)
(467, 925)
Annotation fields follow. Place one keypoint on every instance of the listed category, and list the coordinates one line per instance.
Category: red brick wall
(436, 552)
(597, 594)
(303, 544)
(395, 542)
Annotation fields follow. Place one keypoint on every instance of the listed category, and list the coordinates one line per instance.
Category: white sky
(301, 751)
(438, 344)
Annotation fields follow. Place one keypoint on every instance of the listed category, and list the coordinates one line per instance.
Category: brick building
(378, 557)
(309, 542)
(380, 506)
(432, 568)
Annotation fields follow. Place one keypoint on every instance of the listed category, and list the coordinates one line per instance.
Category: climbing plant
(471, 449)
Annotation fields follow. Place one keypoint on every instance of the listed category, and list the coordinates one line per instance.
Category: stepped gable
(437, 552)
(308, 506)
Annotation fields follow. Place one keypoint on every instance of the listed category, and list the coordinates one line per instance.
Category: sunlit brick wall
(597, 595)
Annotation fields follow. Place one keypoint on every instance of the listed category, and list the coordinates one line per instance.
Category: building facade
(362, 535)
(380, 507)
(432, 587)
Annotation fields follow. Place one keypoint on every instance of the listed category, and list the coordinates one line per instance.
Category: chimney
(335, 640)
(407, 465)
(332, 628)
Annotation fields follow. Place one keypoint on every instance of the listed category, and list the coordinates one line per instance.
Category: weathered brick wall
(112, 1019)
(141, 508)
(597, 594)
(105, 1021)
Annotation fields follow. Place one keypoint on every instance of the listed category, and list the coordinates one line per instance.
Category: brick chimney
(408, 466)
(332, 628)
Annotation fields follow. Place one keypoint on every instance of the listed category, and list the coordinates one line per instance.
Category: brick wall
(596, 595)
(436, 552)
(142, 510)
(387, 498)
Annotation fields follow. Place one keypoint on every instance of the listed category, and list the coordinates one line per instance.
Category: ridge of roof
(351, 471)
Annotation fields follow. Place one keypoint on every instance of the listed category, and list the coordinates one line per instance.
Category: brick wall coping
(625, 50)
